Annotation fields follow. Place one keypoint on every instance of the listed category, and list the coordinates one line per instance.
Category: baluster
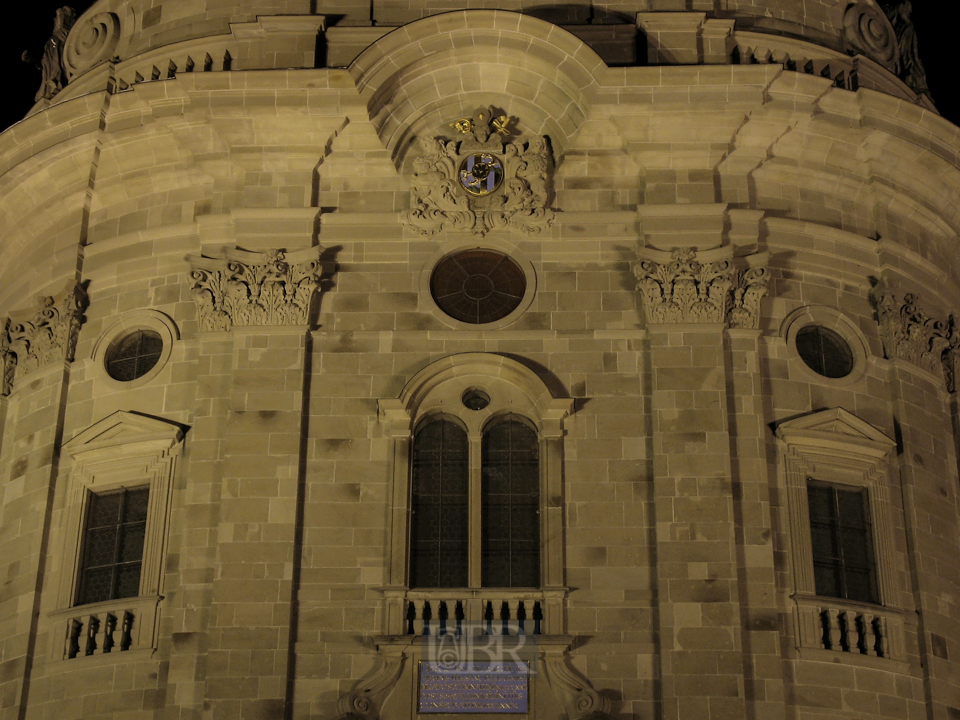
(93, 627)
(883, 642)
(459, 614)
(488, 617)
(73, 638)
(126, 630)
(504, 617)
(869, 641)
(537, 617)
(513, 610)
(521, 615)
(833, 620)
(443, 607)
(850, 626)
(409, 617)
(426, 614)
(109, 627)
(824, 621)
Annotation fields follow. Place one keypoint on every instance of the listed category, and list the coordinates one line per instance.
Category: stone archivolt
(438, 202)
(275, 287)
(682, 289)
(48, 335)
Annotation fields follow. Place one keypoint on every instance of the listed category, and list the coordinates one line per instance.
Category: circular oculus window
(133, 355)
(825, 351)
(477, 286)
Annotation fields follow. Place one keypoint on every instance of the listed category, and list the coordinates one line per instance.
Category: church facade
(395, 360)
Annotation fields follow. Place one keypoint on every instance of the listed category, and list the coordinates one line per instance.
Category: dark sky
(36, 23)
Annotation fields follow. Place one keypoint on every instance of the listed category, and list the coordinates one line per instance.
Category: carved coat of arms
(482, 181)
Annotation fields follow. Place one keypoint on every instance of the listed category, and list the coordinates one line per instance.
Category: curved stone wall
(276, 226)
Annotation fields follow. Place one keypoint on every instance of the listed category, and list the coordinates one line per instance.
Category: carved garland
(48, 335)
(509, 191)
(255, 288)
(684, 290)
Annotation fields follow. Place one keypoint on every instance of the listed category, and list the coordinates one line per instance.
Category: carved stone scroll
(681, 289)
(511, 190)
(45, 336)
(868, 31)
(364, 701)
(909, 334)
(90, 43)
(255, 288)
(581, 700)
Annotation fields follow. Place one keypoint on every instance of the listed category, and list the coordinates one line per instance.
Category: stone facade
(266, 188)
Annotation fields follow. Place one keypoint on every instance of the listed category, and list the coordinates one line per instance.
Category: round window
(824, 351)
(133, 355)
(477, 286)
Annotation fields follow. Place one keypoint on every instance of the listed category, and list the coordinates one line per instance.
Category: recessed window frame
(123, 451)
(515, 390)
(836, 447)
(128, 323)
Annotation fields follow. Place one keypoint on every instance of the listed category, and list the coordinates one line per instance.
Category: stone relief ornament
(90, 43)
(678, 288)
(45, 336)
(908, 333)
(240, 287)
(868, 31)
(482, 181)
(51, 64)
(364, 701)
(907, 66)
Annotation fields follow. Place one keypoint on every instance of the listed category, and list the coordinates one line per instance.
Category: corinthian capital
(239, 287)
(43, 336)
(680, 288)
(909, 334)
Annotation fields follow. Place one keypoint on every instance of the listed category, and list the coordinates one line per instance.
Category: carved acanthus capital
(255, 288)
(44, 336)
(679, 288)
(908, 333)
(481, 181)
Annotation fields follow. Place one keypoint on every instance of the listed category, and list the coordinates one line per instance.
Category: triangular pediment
(834, 426)
(124, 428)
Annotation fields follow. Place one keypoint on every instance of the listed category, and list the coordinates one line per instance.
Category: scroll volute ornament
(92, 41)
(481, 181)
(868, 31)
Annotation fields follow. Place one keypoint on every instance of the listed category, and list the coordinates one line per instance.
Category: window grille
(844, 565)
(439, 532)
(113, 546)
(510, 502)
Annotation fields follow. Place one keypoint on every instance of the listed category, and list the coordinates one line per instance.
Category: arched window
(439, 517)
(510, 505)
(504, 514)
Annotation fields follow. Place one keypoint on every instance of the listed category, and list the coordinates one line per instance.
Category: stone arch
(418, 77)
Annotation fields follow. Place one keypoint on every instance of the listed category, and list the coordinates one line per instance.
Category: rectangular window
(113, 545)
(844, 564)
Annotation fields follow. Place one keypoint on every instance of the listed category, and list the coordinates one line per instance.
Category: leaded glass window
(439, 523)
(843, 560)
(510, 502)
(113, 545)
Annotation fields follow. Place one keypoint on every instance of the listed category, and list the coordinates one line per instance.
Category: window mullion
(476, 534)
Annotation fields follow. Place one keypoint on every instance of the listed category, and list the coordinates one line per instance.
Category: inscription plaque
(473, 687)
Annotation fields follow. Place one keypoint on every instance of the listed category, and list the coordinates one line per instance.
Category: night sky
(34, 27)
